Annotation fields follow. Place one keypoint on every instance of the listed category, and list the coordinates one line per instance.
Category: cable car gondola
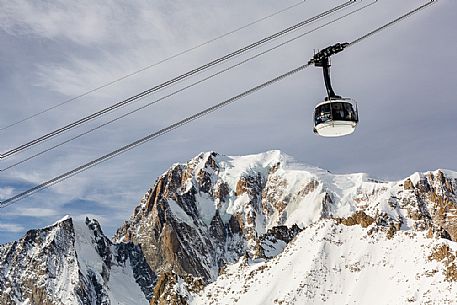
(335, 116)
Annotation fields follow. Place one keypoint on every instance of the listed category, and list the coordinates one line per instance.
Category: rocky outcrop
(432, 202)
(200, 216)
(170, 228)
(215, 211)
(275, 240)
(171, 289)
(358, 218)
(207, 213)
(166, 292)
(444, 254)
(41, 256)
(70, 263)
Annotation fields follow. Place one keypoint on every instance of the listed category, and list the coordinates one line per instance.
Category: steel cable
(407, 15)
(152, 65)
(147, 138)
(182, 89)
(185, 121)
(173, 81)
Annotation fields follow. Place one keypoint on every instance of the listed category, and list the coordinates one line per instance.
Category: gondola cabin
(335, 117)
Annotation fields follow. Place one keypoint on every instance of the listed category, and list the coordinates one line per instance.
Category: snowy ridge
(94, 261)
(71, 263)
(331, 264)
(215, 209)
(24, 264)
(287, 180)
(258, 229)
(291, 177)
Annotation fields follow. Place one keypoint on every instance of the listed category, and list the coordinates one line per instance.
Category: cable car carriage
(335, 116)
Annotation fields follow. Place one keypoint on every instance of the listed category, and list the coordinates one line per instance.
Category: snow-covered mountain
(73, 263)
(332, 264)
(262, 229)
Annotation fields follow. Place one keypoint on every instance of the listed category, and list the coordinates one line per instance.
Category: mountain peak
(206, 213)
(65, 218)
(73, 262)
(227, 222)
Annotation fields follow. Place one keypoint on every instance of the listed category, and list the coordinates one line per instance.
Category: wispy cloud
(100, 218)
(33, 212)
(13, 228)
(6, 192)
(109, 38)
(81, 22)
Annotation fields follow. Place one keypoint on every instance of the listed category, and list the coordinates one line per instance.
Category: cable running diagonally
(407, 15)
(184, 88)
(185, 121)
(152, 65)
(174, 80)
(148, 138)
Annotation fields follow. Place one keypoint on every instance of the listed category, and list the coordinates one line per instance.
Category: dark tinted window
(343, 111)
(339, 111)
(322, 114)
(351, 113)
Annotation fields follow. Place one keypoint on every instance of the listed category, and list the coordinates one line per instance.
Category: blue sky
(403, 79)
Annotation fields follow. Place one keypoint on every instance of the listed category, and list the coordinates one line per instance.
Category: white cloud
(100, 218)
(33, 212)
(78, 21)
(6, 192)
(115, 38)
(13, 228)
(33, 177)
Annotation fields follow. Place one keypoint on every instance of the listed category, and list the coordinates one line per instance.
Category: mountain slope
(335, 264)
(251, 229)
(207, 213)
(202, 216)
(73, 263)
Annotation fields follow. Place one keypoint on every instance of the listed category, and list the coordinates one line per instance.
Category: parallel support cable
(185, 121)
(387, 25)
(151, 66)
(174, 80)
(183, 89)
(147, 138)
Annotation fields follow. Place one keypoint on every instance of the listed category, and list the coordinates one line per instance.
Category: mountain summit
(73, 262)
(259, 229)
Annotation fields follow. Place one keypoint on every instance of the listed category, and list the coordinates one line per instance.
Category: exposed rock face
(69, 263)
(40, 254)
(214, 212)
(358, 217)
(207, 213)
(171, 230)
(444, 254)
(275, 240)
(165, 292)
(171, 289)
(431, 201)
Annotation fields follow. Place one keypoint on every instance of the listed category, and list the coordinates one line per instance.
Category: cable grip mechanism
(322, 59)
